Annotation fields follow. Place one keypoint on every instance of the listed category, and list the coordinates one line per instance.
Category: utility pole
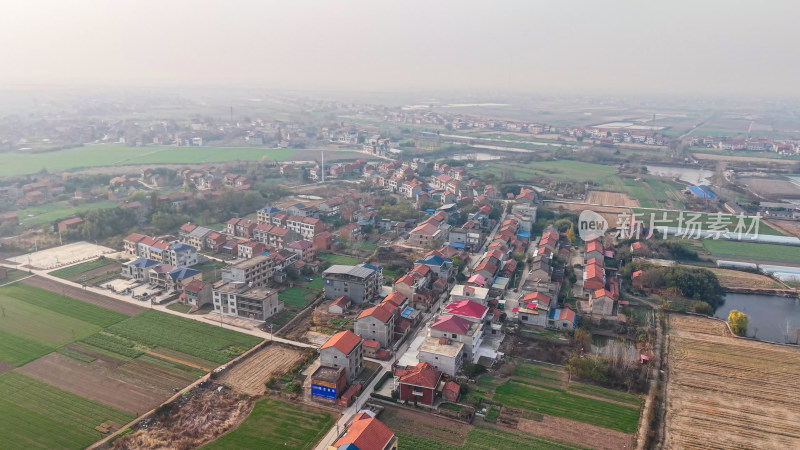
(323, 166)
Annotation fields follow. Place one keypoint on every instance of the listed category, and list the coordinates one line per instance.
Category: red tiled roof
(537, 297)
(395, 298)
(467, 308)
(135, 237)
(188, 227)
(344, 341)
(341, 301)
(195, 285)
(594, 246)
(423, 375)
(602, 293)
(594, 272)
(422, 269)
(451, 324)
(638, 273)
(371, 343)
(381, 312)
(366, 433)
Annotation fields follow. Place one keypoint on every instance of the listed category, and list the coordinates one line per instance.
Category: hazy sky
(664, 46)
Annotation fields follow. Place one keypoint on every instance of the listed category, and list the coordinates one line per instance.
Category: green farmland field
(753, 251)
(157, 329)
(43, 214)
(340, 259)
(12, 163)
(560, 170)
(38, 415)
(297, 297)
(277, 424)
(557, 402)
(36, 322)
(72, 271)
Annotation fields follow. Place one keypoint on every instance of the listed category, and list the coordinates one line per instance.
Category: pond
(687, 174)
(769, 316)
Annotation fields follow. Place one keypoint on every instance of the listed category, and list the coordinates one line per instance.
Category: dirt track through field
(724, 392)
(185, 363)
(249, 376)
(86, 296)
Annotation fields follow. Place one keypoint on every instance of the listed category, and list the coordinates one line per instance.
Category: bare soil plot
(611, 214)
(249, 376)
(432, 427)
(79, 378)
(789, 227)
(190, 421)
(6, 367)
(553, 427)
(772, 188)
(53, 258)
(84, 295)
(738, 279)
(612, 198)
(724, 392)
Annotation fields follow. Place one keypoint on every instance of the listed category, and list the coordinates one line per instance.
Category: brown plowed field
(724, 392)
(86, 296)
(249, 376)
(612, 198)
(79, 378)
(553, 428)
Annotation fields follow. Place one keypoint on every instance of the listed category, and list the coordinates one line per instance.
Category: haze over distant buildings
(552, 46)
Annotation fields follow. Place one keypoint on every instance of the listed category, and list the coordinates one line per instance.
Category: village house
(343, 349)
(69, 224)
(241, 300)
(360, 283)
(476, 294)
(339, 306)
(197, 293)
(249, 249)
(304, 249)
(534, 309)
(461, 330)
(256, 271)
(366, 433)
(376, 323)
(442, 353)
(418, 384)
(601, 302)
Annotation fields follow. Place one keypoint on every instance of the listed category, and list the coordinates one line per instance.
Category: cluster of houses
(212, 178)
(601, 291)
(161, 263)
(783, 146)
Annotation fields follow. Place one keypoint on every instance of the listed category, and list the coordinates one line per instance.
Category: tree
(472, 370)
(571, 234)
(738, 322)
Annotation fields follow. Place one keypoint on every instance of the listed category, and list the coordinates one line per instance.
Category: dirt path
(185, 363)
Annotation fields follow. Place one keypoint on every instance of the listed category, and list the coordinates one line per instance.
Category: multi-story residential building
(461, 330)
(241, 300)
(377, 324)
(472, 293)
(250, 249)
(343, 349)
(360, 283)
(180, 255)
(138, 269)
(426, 235)
(306, 227)
(304, 249)
(264, 215)
(256, 271)
(442, 353)
(197, 293)
(273, 235)
(131, 243)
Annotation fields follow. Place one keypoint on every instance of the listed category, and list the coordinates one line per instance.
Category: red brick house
(69, 224)
(419, 383)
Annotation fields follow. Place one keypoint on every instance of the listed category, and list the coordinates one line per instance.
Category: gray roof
(355, 271)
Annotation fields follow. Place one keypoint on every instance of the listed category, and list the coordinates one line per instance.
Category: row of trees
(693, 283)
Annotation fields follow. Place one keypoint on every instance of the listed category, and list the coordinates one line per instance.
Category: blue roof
(144, 263)
(433, 260)
(371, 266)
(524, 234)
(265, 254)
(181, 247)
(701, 192)
(406, 312)
(183, 272)
(430, 211)
(459, 245)
(270, 209)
